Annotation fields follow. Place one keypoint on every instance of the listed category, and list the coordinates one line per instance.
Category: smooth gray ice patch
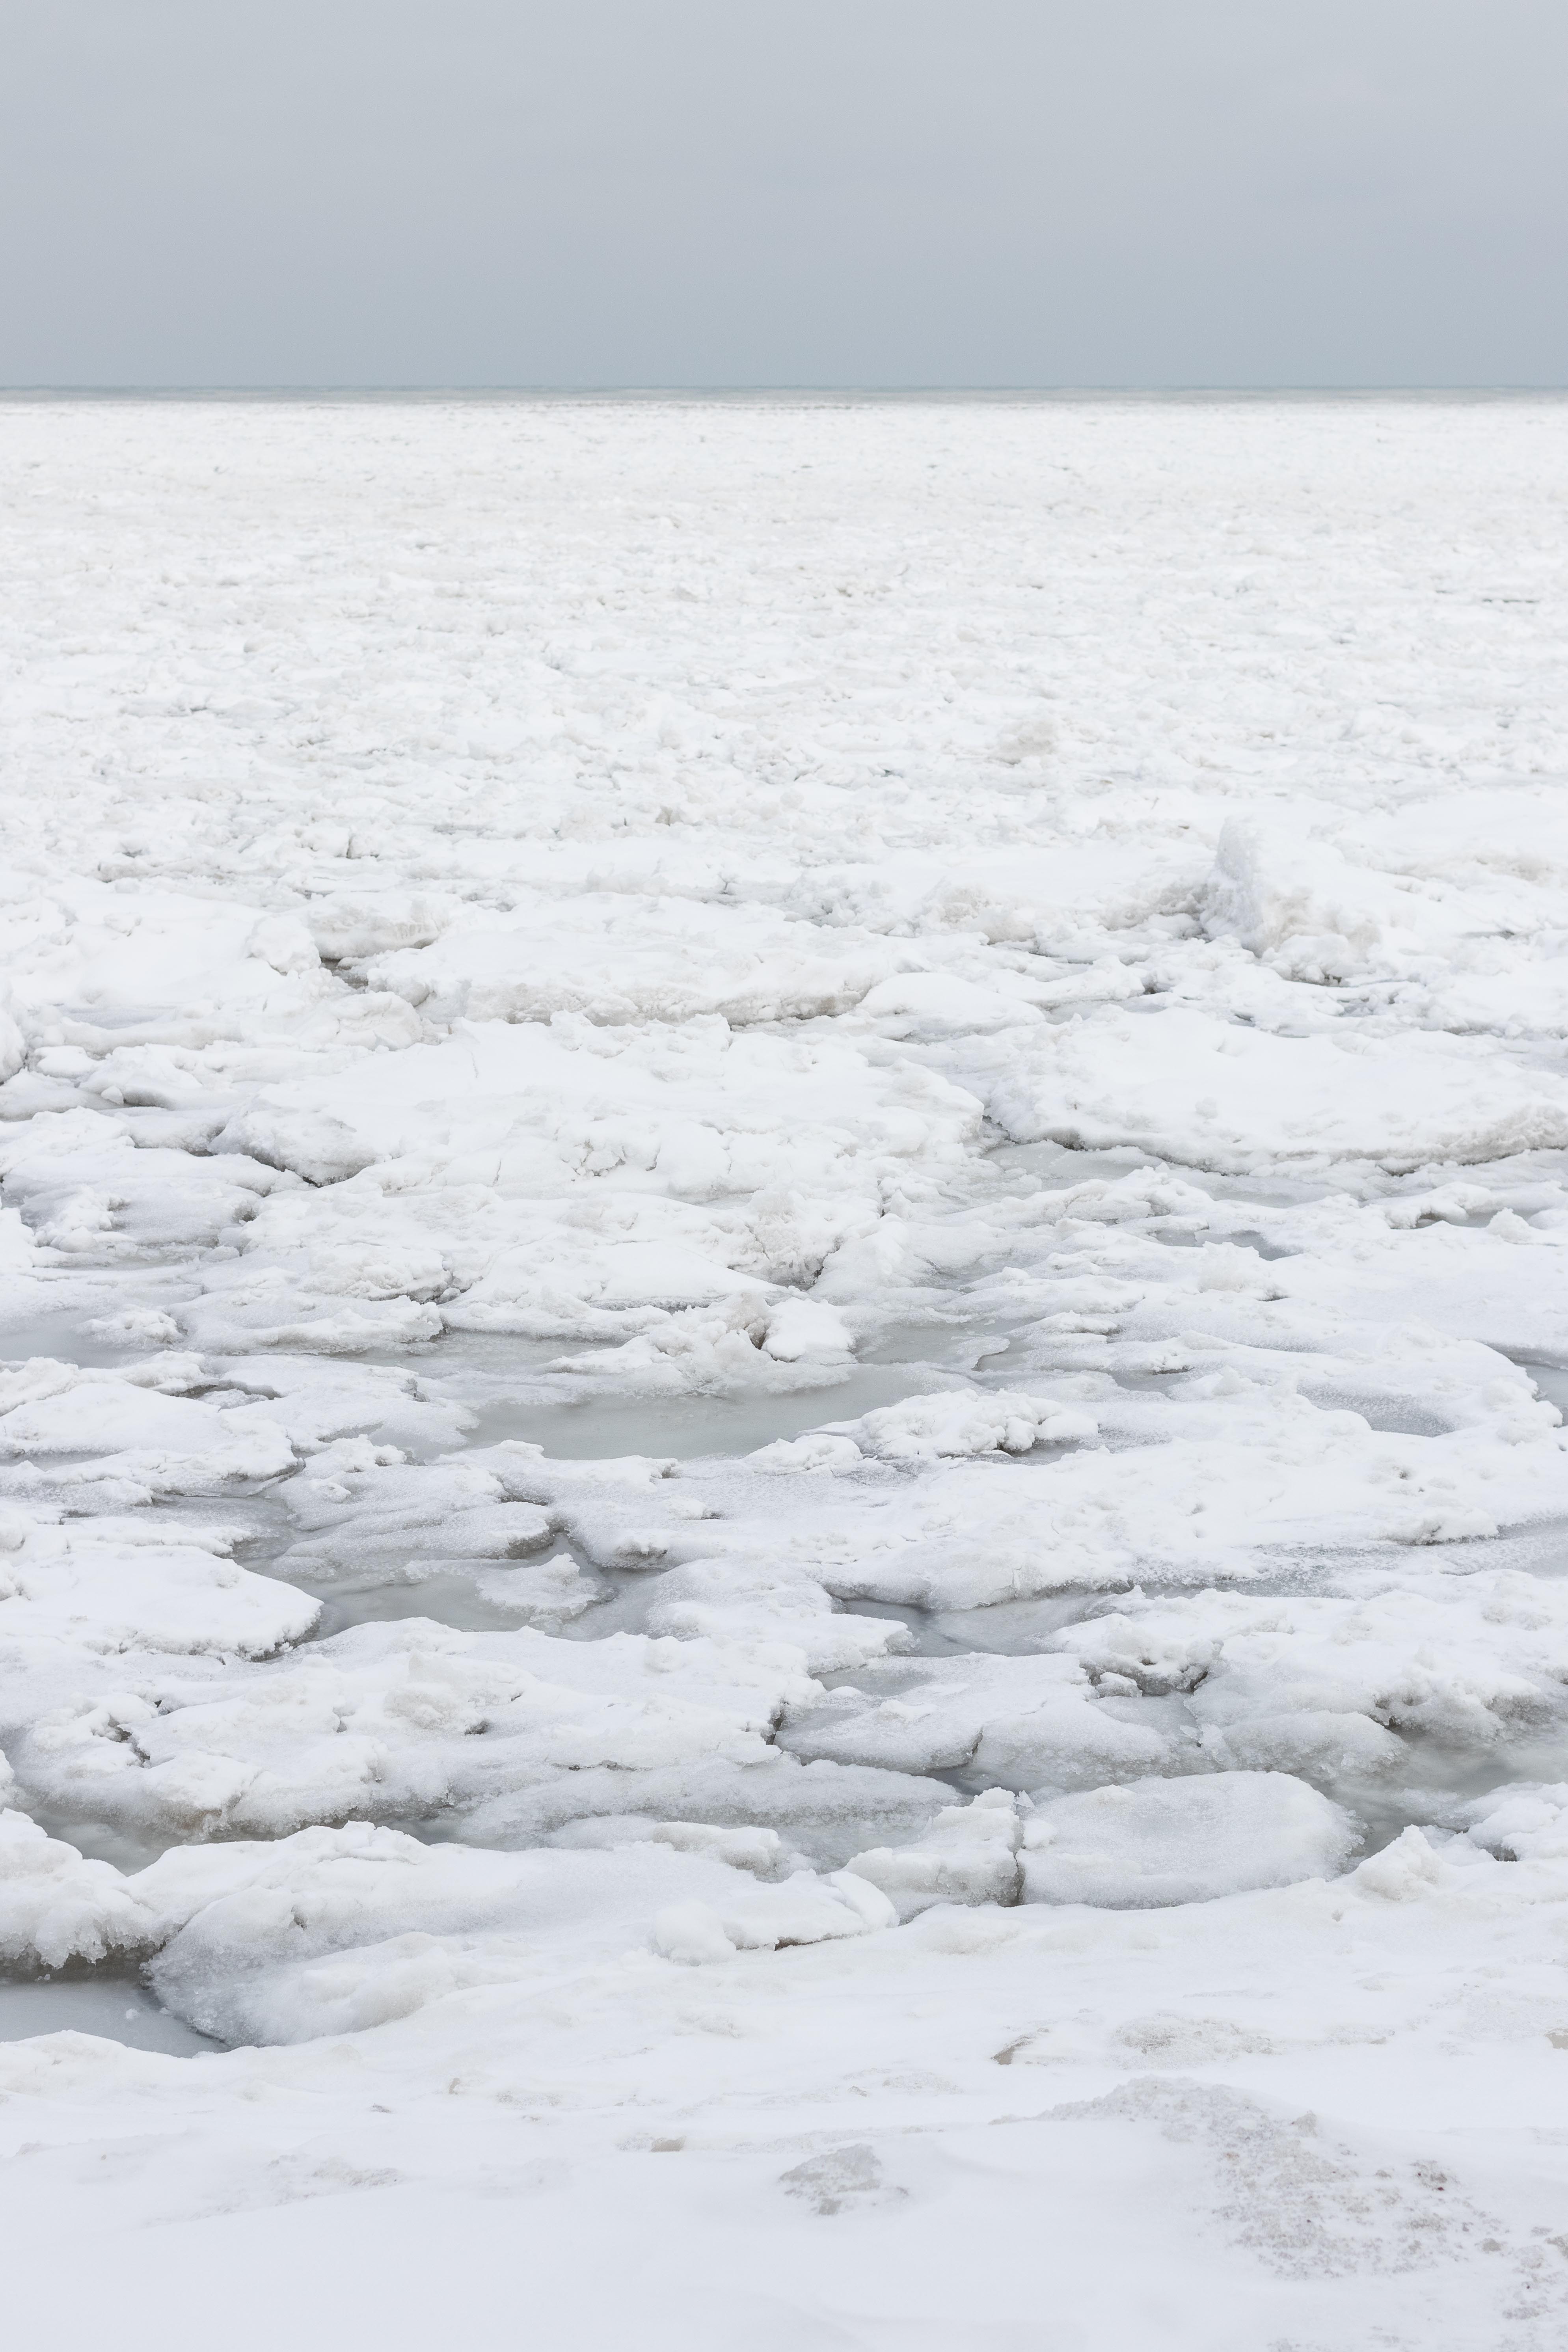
(453, 1599)
(1005, 1629)
(1540, 1548)
(942, 1343)
(127, 1850)
(928, 1636)
(1390, 1415)
(480, 1355)
(473, 1600)
(691, 1428)
(478, 1596)
(63, 1336)
(1055, 1167)
(1241, 1238)
(115, 2009)
(1058, 1166)
(1550, 1381)
(1010, 1629)
(1444, 1779)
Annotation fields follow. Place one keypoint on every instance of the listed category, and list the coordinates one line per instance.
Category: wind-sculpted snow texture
(785, 1268)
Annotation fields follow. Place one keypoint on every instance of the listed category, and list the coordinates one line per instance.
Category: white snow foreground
(784, 1289)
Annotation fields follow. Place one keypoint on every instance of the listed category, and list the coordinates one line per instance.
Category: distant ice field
(784, 1303)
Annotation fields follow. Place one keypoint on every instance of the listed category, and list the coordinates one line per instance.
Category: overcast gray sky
(827, 191)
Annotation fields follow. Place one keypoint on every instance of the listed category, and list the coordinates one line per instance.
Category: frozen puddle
(696, 1427)
(116, 2010)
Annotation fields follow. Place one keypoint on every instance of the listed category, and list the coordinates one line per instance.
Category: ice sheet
(783, 1298)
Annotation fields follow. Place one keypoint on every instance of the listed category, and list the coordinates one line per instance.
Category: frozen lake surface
(784, 1312)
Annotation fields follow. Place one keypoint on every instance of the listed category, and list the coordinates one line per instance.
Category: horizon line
(633, 391)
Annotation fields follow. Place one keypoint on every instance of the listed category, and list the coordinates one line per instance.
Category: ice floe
(784, 1311)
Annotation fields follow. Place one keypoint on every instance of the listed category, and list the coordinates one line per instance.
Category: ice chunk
(614, 960)
(802, 1327)
(1299, 902)
(804, 1910)
(930, 1428)
(1525, 1822)
(55, 1907)
(1217, 1095)
(969, 1854)
(1190, 1840)
(1402, 1872)
(312, 1143)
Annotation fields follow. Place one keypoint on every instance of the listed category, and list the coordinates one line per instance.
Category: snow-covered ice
(784, 1291)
